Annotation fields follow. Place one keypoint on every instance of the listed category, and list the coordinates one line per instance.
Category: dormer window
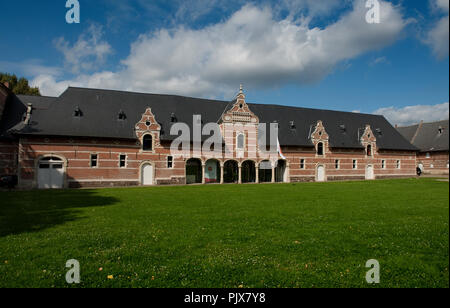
(320, 149)
(77, 112)
(369, 150)
(122, 116)
(147, 143)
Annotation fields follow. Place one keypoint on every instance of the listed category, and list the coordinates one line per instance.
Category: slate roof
(100, 108)
(427, 137)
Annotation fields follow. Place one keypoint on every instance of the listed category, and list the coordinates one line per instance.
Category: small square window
(170, 162)
(94, 160)
(302, 164)
(122, 161)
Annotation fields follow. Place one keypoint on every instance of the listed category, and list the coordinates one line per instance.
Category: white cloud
(87, 53)
(251, 47)
(438, 36)
(414, 114)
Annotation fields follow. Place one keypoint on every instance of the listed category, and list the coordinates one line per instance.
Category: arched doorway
(50, 173)
(212, 171)
(147, 174)
(194, 171)
(231, 172)
(370, 174)
(265, 172)
(280, 171)
(320, 174)
(248, 172)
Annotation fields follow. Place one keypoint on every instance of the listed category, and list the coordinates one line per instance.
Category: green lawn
(287, 235)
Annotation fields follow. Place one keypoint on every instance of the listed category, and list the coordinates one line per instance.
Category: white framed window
(337, 164)
(302, 164)
(355, 164)
(94, 161)
(122, 161)
(399, 164)
(428, 155)
(147, 143)
(320, 149)
(383, 164)
(240, 141)
(170, 162)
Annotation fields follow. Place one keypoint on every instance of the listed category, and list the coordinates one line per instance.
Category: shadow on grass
(33, 211)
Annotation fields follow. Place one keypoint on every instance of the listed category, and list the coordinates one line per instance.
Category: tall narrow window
(320, 149)
(383, 164)
(94, 160)
(122, 161)
(399, 164)
(355, 164)
(302, 164)
(169, 162)
(240, 141)
(369, 150)
(147, 143)
(337, 164)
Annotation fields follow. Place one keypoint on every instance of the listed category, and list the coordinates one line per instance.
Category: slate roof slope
(428, 138)
(101, 108)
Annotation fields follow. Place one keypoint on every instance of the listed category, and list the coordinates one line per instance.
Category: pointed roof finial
(241, 89)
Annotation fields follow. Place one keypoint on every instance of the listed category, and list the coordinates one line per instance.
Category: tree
(19, 86)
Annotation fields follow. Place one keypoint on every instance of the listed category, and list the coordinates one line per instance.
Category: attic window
(77, 112)
(241, 106)
(122, 115)
(173, 118)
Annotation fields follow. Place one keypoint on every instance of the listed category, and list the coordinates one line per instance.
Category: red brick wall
(435, 163)
(79, 173)
(8, 158)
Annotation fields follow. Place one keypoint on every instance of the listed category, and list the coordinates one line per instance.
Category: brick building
(100, 138)
(432, 141)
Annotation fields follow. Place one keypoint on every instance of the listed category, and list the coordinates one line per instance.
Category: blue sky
(308, 53)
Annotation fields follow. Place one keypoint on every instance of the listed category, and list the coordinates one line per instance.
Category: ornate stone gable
(148, 125)
(320, 135)
(368, 138)
(240, 112)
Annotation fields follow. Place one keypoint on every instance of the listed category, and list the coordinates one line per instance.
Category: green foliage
(285, 235)
(19, 86)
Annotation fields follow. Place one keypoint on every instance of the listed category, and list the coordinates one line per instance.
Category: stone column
(257, 173)
(240, 174)
(203, 173)
(273, 174)
(221, 173)
(287, 175)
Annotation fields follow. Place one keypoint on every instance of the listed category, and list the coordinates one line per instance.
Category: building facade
(432, 140)
(99, 138)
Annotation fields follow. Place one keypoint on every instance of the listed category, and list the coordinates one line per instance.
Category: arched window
(369, 150)
(320, 149)
(147, 143)
(240, 141)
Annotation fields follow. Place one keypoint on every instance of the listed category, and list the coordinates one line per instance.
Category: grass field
(287, 235)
